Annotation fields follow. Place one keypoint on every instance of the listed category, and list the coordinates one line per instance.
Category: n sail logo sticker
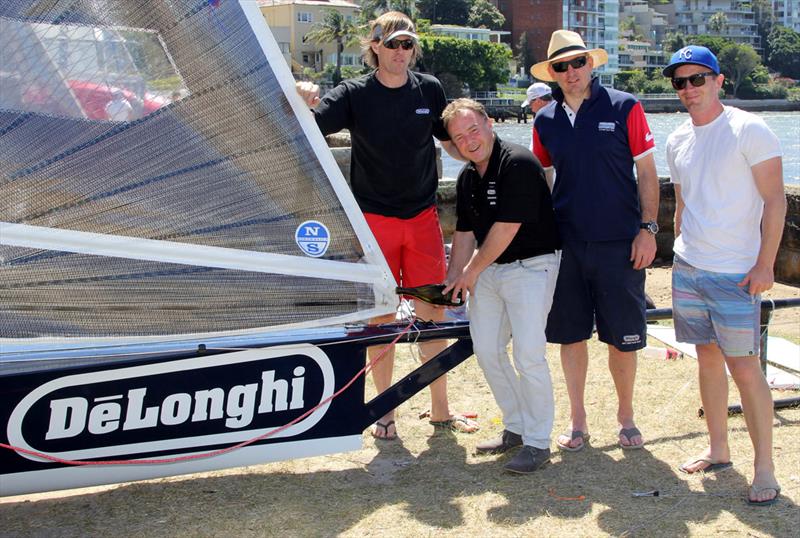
(313, 238)
(183, 404)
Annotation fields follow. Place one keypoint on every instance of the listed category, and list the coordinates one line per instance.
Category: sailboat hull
(141, 417)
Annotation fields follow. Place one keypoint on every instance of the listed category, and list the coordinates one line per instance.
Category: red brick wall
(539, 18)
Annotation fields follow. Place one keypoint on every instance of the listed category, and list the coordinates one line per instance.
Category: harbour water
(786, 125)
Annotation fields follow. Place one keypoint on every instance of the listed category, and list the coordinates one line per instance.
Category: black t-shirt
(393, 157)
(513, 189)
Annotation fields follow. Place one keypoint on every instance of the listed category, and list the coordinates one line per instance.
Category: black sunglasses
(697, 80)
(407, 44)
(576, 63)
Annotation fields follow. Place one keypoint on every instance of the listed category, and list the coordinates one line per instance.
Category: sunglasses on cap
(407, 44)
(576, 63)
(697, 80)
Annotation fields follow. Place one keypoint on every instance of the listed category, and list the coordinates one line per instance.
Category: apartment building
(787, 13)
(597, 21)
(692, 17)
(291, 21)
(639, 45)
(466, 32)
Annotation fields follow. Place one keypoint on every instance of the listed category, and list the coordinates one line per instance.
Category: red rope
(221, 451)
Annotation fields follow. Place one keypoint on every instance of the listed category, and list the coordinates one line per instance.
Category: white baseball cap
(535, 91)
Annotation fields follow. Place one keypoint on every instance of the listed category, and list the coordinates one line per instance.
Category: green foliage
(759, 75)
(481, 65)
(784, 55)
(482, 13)
(637, 81)
(445, 11)
(674, 41)
(718, 22)
(165, 84)
(334, 28)
(524, 54)
(794, 94)
(713, 43)
(737, 62)
(630, 81)
(748, 90)
(371, 9)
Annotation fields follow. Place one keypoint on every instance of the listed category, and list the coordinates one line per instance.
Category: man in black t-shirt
(504, 208)
(392, 115)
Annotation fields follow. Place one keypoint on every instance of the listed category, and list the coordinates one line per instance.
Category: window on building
(304, 16)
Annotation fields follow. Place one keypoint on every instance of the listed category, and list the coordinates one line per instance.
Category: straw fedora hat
(564, 44)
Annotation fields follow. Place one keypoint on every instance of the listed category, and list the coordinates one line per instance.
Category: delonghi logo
(174, 405)
(313, 238)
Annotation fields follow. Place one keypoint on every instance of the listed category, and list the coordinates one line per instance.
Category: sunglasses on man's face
(576, 63)
(407, 44)
(697, 80)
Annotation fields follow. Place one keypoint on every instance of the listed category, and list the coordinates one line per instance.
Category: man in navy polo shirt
(589, 140)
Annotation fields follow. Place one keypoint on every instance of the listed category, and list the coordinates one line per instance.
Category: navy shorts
(597, 283)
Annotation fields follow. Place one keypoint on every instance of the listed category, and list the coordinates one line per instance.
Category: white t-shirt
(721, 219)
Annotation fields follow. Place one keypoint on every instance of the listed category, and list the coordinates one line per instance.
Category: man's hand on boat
(308, 91)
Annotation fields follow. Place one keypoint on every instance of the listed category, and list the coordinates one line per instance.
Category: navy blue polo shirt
(595, 195)
(513, 189)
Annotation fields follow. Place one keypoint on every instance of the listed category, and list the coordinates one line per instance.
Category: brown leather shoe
(505, 442)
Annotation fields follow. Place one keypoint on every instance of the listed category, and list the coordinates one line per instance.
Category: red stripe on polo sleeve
(539, 150)
(640, 139)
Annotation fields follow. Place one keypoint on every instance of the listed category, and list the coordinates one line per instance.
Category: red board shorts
(413, 247)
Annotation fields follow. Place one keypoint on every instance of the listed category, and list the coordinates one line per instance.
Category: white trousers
(515, 298)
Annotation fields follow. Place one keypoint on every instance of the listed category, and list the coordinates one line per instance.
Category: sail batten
(38, 237)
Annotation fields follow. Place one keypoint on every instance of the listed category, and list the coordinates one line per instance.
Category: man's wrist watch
(651, 226)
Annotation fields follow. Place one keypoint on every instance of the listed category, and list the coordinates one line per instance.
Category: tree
(784, 55)
(524, 55)
(334, 28)
(765, 20)
(371, 9)
(736, 62)
(481, 65)
(445, 11)
(674, 41)
(718, 22)
(485, 14)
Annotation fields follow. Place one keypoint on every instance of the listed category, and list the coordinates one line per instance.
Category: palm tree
(718, 22)
(334, 28)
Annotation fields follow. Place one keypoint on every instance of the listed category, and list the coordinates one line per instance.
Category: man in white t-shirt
(730, 209)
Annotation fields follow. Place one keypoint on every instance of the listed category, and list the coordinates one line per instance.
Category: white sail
(160, 178)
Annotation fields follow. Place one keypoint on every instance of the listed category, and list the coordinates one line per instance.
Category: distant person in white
(729, 216)
(538, 95)
(119, 109)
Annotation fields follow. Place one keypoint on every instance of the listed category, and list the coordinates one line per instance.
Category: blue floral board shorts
(710, 307)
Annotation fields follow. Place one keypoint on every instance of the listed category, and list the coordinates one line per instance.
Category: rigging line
(214, 453)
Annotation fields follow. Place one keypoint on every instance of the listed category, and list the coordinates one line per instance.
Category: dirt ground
(433, 484)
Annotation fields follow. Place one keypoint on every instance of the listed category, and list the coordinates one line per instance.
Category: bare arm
(549, 174)
(498, 239)
(463, 248)
(308, 91)
(678, 208)
(768, 176)
(643, 249)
